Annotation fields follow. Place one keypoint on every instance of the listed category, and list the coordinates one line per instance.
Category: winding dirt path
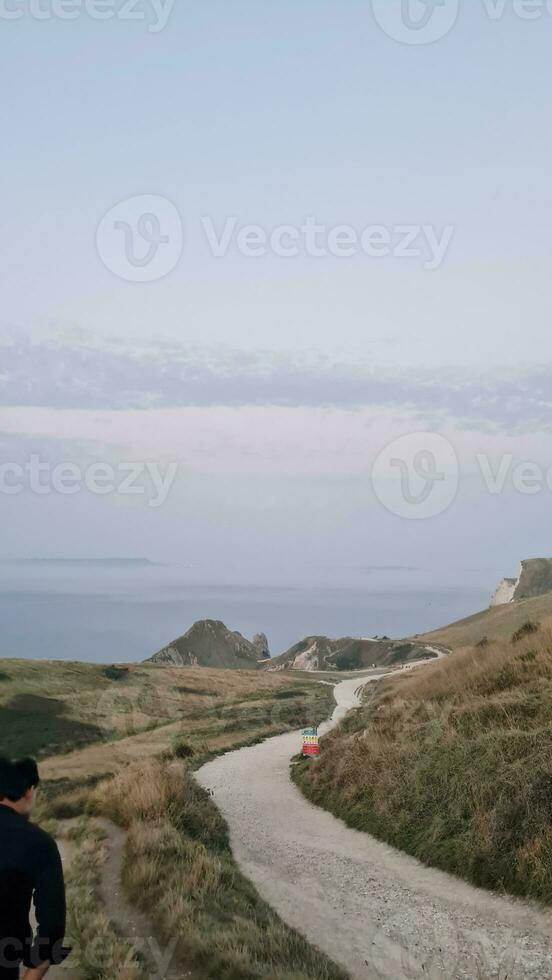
(374, 910)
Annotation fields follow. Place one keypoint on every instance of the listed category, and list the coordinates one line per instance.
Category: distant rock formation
(209, 643)
(534, 579)
(260, 642)
(322, 653)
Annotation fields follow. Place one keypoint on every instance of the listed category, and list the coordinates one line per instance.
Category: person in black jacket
(30, 871)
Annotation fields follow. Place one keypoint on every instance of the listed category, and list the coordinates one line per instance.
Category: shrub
(115, 673)
(182, 749)
(527, 629)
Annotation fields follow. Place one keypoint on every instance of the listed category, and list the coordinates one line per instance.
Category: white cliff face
(308, 660)
(505, 592)
(534, 579)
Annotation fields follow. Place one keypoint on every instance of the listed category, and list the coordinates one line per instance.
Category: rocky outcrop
(504, 592)
(534, 579)
(321, 653)
(311, 653)
(209, 643)
(260, 642)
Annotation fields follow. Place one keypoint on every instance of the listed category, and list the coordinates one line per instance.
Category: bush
(527, 629)
(115, 673)
(182, 749)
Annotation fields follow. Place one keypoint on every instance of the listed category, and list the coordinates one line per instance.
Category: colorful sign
(311, 744)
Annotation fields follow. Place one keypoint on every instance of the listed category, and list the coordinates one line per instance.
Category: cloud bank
(115, 377)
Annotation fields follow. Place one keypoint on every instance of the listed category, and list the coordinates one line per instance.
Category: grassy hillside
(51, 707)
(453, 763)
(316, 653)
(126, 742)
(359, 654)
(498, 622)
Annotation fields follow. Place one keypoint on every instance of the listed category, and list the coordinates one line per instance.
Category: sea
(125, 610)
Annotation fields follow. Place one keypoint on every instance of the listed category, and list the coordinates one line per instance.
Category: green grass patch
(115, 673)
(34, 725)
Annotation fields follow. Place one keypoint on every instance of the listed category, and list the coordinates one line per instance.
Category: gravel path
(376, 911)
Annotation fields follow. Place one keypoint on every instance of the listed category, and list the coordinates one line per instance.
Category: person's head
(18, 783)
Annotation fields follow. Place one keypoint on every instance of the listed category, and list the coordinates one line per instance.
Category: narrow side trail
(376, 911)
(67, 970)
(133, 924)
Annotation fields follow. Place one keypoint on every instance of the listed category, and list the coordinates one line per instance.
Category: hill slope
(209, 643)
(135, 732)
(321, 653)
(498, 622)
(453, 764)
(100, 713)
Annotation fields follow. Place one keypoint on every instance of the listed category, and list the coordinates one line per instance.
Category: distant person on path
(30, 871)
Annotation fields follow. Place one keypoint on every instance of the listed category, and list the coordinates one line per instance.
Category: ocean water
(126, 612)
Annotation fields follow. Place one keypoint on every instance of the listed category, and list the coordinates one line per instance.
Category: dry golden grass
(497, 623)
(49, 707)
(179, 868)
(98, 952)
(245, 714)
(454, 764)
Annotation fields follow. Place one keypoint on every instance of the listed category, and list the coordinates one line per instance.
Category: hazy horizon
(104, 611)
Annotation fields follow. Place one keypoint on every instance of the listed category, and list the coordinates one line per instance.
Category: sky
(284, 269)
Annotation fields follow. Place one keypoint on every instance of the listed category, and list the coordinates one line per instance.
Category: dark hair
(29, 770)
(12, 781)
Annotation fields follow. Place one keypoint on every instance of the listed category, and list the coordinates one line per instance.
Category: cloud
(82, 374)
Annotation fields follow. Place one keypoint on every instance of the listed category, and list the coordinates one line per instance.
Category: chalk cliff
(534, 579)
